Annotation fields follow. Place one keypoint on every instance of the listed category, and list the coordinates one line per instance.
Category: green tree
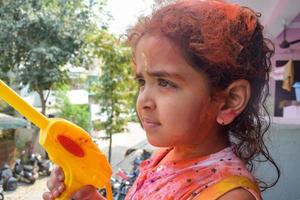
(78, 114)
(38, 38)
(116, 88)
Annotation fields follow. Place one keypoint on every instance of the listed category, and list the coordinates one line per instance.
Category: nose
(146, 99)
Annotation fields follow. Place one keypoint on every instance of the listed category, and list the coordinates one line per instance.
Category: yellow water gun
(68, 145)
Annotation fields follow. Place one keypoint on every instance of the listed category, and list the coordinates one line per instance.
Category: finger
(55, 193)
(56, 177)
(57, 189)
(47, 196)
(52, 183)
(59, 173)
(61, 187)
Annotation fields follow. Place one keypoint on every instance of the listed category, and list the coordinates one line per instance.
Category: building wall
(284, 146)
(284, 138)
(283, 55)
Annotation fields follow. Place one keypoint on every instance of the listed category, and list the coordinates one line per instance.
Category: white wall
(284, 146)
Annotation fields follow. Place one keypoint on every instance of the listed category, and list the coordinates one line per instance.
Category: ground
(135, 137)
(28, 192)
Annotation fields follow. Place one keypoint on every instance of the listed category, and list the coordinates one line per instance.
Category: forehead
(155, 45)
(158, 51)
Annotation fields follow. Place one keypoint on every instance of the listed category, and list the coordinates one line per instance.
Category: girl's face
(174, 102)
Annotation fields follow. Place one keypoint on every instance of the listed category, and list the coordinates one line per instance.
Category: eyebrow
(161, 74)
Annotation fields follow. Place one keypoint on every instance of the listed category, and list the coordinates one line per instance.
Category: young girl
(202, 67)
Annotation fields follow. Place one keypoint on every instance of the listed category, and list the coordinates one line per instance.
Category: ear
(236, 97)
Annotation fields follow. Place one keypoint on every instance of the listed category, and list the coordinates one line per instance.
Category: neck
(209, 146)
(191, 151)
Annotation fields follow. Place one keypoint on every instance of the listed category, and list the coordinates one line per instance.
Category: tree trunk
(43, 102)
(112, 121)
(110, 147)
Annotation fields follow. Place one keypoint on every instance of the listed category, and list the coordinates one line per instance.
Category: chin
(157, 142)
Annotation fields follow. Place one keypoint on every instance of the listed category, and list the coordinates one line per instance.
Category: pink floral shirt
(185, 179)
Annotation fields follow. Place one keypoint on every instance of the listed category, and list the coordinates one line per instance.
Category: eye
(165, 83)
(140, 82)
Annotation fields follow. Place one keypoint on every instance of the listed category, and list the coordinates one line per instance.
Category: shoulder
(238, 193)
(232, 187)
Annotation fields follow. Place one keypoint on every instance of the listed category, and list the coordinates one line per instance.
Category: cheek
(196, 113)
(138, 105)
(181, 112)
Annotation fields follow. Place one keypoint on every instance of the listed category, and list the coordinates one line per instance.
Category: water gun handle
(72, 149)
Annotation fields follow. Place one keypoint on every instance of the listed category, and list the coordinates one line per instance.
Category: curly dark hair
(226, 42)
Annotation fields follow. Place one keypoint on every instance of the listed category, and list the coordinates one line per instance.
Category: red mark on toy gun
(70, 146)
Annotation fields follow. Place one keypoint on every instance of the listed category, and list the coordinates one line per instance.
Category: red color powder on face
(70, 146)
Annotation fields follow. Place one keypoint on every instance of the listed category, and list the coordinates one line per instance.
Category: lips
(149, 123)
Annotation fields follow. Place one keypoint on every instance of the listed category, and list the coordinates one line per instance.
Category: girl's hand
(55, 184)
(56, 187)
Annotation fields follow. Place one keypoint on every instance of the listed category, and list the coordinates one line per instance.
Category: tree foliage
(116, 88)
(38, 38)
(78, 114)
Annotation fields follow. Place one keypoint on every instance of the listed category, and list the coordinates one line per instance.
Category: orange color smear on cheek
(70, 146)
